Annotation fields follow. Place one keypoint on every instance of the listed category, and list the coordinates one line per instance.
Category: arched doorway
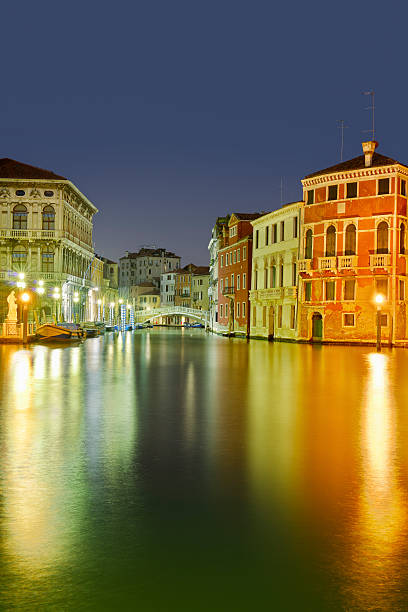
(317, 327)
(271, 320)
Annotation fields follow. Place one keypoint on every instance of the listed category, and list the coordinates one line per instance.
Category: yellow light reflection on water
(21, 367)
(381, 522)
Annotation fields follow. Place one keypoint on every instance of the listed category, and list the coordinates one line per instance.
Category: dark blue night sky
(168, 114)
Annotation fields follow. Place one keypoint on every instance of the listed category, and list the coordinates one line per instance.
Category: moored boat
(49, 331)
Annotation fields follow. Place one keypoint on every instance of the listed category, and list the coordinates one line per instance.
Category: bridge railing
(170, 311)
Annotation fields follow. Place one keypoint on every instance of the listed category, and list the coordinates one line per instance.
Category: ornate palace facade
(46, 240)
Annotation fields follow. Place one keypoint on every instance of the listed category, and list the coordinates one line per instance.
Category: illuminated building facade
(234, 274)
(214, 246)
(46, 238)
(274, 273)
(352, 248)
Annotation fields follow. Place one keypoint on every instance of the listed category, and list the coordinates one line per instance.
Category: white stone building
(46, 239)
(274, 282)
(167, 288)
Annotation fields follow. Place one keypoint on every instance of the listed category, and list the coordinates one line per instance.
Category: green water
(169, 470)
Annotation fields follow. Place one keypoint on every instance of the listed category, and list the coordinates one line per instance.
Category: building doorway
(317, 327)
(271, 321)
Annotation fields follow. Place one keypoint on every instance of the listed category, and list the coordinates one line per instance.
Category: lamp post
(76, 300)
(25, 298)
(379, 299)
(56, 295)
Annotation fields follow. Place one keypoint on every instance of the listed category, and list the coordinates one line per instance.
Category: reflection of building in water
(379, 535)
(53, 417)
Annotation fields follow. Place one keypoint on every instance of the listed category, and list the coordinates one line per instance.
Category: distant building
(353, 248)
(148, 300)
(148, 264)
(167, 288)
(199, 288)
(183, 285)
(214, 246)
(234, 274)
(46, 235)
(111, 272)
(143, 289)
(274, 273)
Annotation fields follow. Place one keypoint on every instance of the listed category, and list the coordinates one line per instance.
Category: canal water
(169, 470)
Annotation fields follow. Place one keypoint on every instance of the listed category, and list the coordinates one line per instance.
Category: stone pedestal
(11, 329)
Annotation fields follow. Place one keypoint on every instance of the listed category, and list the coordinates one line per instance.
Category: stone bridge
(170, 311)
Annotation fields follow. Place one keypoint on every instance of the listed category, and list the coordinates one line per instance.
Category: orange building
(183, 286)
(234, 274)
(352, 249)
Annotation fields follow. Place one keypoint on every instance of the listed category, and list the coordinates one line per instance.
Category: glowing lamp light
(21, 276)
(379, 299)
(25, 298)
(99, 302)
(120, 301)
(76, 294)
(41, 283)
(112, 304)
(40, 290)
(76, 300)
(96, 288)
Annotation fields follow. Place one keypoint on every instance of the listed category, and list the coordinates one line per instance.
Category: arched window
(402, 238)
(47, 258)
(350, 240)
(331, 241)
(19, 256)
(382, 237)
(20, 217)
(48, 218)
(309, 244)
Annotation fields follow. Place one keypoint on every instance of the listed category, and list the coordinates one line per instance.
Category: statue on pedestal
(12, 308)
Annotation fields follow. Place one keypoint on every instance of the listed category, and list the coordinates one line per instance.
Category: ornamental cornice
(285, 210)
(362, 173)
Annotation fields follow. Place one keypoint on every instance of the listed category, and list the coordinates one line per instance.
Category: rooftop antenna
(372, 109)
(342, 126)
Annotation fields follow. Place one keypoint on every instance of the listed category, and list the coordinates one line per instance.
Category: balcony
(327, 264)
(380, 260)
(228, 291)
(347, 262)
(304, 265)
(35, 234)
(29, 233)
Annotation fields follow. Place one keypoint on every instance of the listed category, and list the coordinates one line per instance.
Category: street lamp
(20, 283)
(40, 289)
(25, 298)
(379, 300)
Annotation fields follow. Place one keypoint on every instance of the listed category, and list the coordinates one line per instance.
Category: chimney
(368, 150)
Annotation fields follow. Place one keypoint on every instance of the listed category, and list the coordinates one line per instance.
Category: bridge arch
(171, 311)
